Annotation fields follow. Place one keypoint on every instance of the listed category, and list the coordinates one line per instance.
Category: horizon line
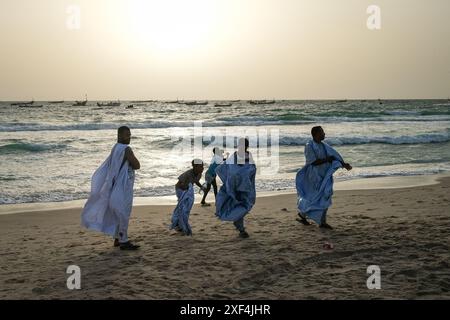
(228, 99)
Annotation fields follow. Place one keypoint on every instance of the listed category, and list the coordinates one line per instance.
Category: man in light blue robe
(237, 195)
(314, 181)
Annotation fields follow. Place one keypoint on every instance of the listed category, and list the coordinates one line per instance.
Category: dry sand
(405, 231)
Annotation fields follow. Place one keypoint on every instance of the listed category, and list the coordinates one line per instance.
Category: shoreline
(369, 183)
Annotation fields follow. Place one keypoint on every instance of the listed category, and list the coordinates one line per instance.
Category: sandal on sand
(206, 204)
(243, 234)
(128, 246)
(303, 221)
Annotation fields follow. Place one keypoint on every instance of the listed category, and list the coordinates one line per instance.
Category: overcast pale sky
(223, 49)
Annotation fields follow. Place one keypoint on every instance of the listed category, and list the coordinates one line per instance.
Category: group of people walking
(109, 205)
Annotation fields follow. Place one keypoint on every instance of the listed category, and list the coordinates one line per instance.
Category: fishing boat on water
(81, 103)
(30, 106)
(259, 102)
(223, 104)
(196, 103)
(22, 103)
(56, 102)
(109, 104)
(141, 101)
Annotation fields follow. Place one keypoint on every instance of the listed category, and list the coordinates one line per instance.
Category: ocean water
(49, 154)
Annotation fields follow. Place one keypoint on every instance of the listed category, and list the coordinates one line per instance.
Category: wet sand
(405, 231)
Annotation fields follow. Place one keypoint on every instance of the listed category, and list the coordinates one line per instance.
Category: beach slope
(405, 231)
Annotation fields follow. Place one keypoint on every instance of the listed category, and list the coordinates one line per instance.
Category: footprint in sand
(9, 281)
(72, 245)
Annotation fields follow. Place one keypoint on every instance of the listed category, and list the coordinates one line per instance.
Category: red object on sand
(328, 245)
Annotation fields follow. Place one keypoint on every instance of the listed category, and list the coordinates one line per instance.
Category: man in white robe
(109, 205)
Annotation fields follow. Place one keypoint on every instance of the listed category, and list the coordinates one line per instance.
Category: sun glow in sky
(171, 25)
(224, 49)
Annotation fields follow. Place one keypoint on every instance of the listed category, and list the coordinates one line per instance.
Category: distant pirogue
(22, 103)
(109, 104)
(81, 103)
(196, 103)
(254, 102)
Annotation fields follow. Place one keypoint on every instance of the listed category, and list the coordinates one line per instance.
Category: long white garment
(108, 207)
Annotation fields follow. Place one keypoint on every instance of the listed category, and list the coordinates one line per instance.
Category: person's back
(242, 158)
(215, 162)
(210, 175)
(188, 177)
(109, 205)
(185, 194)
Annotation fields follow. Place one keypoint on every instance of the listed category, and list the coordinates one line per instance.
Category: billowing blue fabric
(315, 183)
(180, 215)
(237, 194)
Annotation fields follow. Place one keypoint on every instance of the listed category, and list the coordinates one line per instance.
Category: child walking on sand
(185, 193)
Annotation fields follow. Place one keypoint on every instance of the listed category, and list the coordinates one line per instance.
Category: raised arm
(344, 164)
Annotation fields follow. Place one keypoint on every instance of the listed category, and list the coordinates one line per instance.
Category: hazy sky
(223, 49)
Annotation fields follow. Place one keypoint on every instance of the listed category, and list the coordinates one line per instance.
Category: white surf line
(374, 183)
(393, 182)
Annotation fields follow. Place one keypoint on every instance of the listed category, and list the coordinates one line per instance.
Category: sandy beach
(403, 230)
(136, 105)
